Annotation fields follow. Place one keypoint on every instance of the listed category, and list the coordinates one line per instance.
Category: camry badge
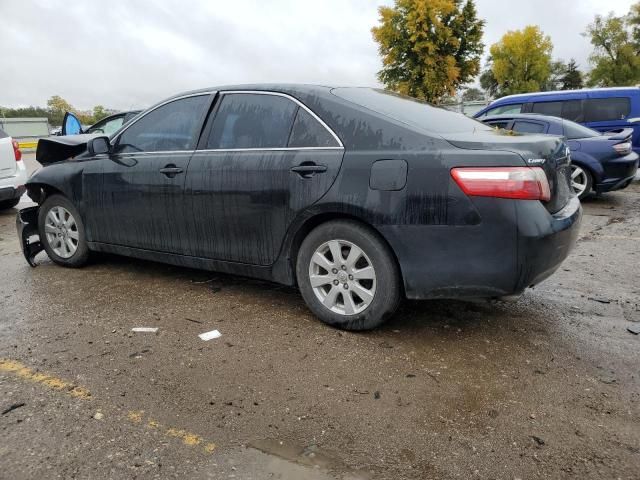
(535, 161)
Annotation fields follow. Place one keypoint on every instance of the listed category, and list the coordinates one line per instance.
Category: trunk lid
(545, 151)
(7, 156)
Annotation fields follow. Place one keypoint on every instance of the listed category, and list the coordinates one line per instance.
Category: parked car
(13, 174)
(71, 124)
(356, 195)
(602, 109)
(600, 162)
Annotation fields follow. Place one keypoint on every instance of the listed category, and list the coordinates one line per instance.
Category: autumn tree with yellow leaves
(429, 48)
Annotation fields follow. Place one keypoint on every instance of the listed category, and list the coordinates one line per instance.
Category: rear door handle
(307, 171)
(171, 170)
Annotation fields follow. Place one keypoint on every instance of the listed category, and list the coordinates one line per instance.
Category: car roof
(523, 96)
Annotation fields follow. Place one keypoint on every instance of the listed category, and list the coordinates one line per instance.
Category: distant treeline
(55, 110)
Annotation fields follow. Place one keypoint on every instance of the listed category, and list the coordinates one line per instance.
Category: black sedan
(358, 196)
(600, 162)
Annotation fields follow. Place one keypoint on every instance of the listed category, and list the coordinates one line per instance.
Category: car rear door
(138, 198)
(604, 112)
(264, 157)
(7, 156)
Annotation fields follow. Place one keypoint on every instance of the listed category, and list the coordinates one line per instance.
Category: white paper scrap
(145, 329)
(210, 335)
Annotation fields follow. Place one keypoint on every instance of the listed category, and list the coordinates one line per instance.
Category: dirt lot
(546, 387)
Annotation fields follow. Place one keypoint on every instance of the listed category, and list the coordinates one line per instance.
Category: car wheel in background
(348, 276)
(62, 232)
(7, 204)
(581, 181)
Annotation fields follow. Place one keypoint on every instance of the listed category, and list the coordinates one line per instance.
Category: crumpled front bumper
(27, 226)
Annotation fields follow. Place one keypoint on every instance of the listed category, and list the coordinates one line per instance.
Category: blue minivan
(602, 109)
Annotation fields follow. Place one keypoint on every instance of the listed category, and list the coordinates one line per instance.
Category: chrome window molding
(223, 150)
(297, 102)
(231, 92)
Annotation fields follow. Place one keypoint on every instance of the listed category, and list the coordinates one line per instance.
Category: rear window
(3, 134)
(607, 109)
(499, 124)
(521, 126)
(409, 110)
(573, 131)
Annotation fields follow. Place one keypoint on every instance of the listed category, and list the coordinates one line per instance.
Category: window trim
(221, 94)
(140, 116)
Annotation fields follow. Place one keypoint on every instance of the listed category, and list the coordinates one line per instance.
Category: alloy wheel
(579, 180)
(61, 231)
(342, 277)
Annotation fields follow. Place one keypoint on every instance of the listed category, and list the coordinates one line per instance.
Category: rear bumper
(517, 244)
(11, 193)
(618, 174)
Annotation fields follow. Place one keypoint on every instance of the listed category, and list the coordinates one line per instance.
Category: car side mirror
(98, 145)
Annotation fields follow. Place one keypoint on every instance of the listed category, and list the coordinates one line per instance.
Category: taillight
(623, 148)
(524, 183)
(16, 150)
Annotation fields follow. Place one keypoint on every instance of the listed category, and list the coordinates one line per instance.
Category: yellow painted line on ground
(188, 438)
(55, 383)
(28, 144)
(134, 416)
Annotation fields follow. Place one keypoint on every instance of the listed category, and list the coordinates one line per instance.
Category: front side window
(171, 127)
(308, 132)
(251, 120)
(607, 109)
(528, 127)
(505, 109)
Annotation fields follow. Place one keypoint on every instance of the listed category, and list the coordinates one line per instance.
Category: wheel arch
(306, 226)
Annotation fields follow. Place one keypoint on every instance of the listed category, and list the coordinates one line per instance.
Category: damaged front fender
(27, 225)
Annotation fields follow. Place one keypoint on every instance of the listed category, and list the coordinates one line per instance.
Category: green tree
(472, 94)
(572, 78)
(99, 112)
(57, 106)
(522, 61)
(556, 73)
(615, 56)
(488, 81)
(428, 47)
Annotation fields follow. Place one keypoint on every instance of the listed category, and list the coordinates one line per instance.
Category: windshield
(574, 130)
(410, 111)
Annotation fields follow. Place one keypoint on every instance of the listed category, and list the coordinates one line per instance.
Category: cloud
(125, 54)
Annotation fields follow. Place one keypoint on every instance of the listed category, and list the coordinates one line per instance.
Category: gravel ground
(545, 387)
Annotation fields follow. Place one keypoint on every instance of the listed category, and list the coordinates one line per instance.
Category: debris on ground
(538, 440)
(13, 407)
(99, 416)
(600, 299)
(634, 328)
(145, 329)
(206, 336)
(192, 320)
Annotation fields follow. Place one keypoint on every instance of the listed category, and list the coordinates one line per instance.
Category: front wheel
(348, 276)
(581, 181)
(62, 232)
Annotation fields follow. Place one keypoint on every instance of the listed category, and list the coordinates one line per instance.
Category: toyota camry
(358, 196)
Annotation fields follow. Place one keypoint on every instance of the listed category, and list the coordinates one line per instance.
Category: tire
(379, 285)
(7, 204)
(58, 238)
(585, 181)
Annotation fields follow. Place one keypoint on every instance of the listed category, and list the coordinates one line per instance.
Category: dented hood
(57, 149)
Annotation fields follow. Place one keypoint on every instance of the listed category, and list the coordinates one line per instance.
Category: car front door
(140, 201)
(263, 159)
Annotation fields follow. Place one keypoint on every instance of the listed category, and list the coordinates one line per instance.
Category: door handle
(307, 171)
(171, 170)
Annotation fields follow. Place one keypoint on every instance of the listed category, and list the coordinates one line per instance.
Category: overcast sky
(129, 54)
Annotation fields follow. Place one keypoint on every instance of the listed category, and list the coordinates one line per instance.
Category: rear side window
(171, 127)
(548, 108)
(3, 134)
(249, 120)
(521, 126)
(606, 109)
(308, 132)
(505, 109)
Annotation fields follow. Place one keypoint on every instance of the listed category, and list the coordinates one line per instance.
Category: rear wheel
(62, 232)
(7, 204)
(581, 181)
(347, 276)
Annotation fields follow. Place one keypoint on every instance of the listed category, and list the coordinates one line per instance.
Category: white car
(13, 173)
